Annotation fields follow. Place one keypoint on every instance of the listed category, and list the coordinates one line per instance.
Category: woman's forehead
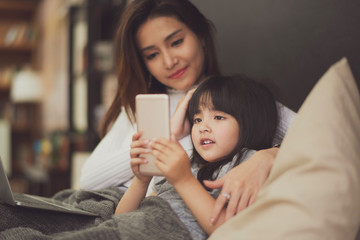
(158, 29)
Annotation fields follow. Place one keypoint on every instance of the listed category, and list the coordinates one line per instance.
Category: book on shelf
(20, 34)
(6, 75)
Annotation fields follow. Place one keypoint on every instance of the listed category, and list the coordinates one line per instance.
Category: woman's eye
(151, 56)
(177, 42)
(219, 117)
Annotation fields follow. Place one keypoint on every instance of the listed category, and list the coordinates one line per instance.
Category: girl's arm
(173, 161)
(200, 202)
(138, 188)
(132, 197)
(109, 164)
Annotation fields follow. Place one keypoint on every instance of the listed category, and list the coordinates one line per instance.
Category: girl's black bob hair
(249, 102)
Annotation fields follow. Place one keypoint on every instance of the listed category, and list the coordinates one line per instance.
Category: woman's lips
(178, 74)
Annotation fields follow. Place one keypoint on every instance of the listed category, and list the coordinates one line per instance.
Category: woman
(164, 46)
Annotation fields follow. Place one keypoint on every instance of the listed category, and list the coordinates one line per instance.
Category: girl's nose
(204, 127)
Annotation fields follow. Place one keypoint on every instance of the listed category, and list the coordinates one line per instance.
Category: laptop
(31, 201)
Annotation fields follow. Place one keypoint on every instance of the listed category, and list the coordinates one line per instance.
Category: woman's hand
(180, 126)
(242, 184)
(138, 147)
(171, 159)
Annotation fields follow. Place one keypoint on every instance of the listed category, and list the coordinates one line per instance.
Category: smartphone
(153, 120)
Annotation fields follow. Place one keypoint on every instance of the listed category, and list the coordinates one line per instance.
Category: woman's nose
(170, 60)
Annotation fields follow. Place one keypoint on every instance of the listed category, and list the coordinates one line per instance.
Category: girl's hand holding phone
(171, 159)
(138, 147)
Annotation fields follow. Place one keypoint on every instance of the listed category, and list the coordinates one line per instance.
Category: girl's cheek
(193, 134)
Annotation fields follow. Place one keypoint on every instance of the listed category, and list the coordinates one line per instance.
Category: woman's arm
(243, 182)
(109, 163)
(180, 126)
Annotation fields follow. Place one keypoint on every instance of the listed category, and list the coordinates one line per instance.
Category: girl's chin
(209, 158)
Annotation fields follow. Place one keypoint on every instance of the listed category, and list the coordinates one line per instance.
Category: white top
(109, 163)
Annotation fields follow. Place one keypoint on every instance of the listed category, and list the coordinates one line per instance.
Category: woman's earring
(149, 82)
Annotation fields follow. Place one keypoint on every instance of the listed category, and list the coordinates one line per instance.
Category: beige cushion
(313, 191)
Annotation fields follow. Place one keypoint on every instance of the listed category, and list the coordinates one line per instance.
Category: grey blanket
(153, 220)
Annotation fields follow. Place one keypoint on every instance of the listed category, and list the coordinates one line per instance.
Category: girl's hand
(171, 159)
(242, 183)
(138, 147)
(180, 126)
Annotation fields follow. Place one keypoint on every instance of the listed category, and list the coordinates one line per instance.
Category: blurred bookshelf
(91, 72)
(91, 88)
(18, 37)
(17, 29)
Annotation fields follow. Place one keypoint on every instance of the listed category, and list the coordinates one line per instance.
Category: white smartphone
(153, 120)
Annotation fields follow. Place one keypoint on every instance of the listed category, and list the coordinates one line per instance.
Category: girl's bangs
(199, 101)
(205, 101)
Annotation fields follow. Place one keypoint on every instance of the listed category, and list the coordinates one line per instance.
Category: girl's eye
(219, 117)
(197, 120)
(177, 42)
(151, 56)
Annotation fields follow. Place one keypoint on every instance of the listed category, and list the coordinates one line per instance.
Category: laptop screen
(5, 190)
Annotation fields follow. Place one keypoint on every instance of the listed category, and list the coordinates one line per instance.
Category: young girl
(230, 118)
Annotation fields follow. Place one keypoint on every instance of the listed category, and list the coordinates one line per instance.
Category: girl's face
(172, 53)
(214, 134)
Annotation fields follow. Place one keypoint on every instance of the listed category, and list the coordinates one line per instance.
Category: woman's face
(215, 134)
(172, 53)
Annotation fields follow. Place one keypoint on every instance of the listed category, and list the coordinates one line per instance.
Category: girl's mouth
(206, 141)
(179, 73)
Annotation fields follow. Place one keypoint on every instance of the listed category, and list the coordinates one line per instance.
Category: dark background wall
(287, 43)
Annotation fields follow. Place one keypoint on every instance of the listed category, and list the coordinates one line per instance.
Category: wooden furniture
(91, 66)
(17, 32)
(18, 35)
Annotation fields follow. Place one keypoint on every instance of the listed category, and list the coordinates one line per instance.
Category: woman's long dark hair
(132, 74)
(249, 102)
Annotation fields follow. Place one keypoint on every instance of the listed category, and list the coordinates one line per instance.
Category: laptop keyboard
(27, 200)
(47, 204)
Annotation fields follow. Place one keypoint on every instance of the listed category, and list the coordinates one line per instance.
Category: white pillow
(313, 191)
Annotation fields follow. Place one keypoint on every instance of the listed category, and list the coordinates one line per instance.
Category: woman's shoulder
(121, 127)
